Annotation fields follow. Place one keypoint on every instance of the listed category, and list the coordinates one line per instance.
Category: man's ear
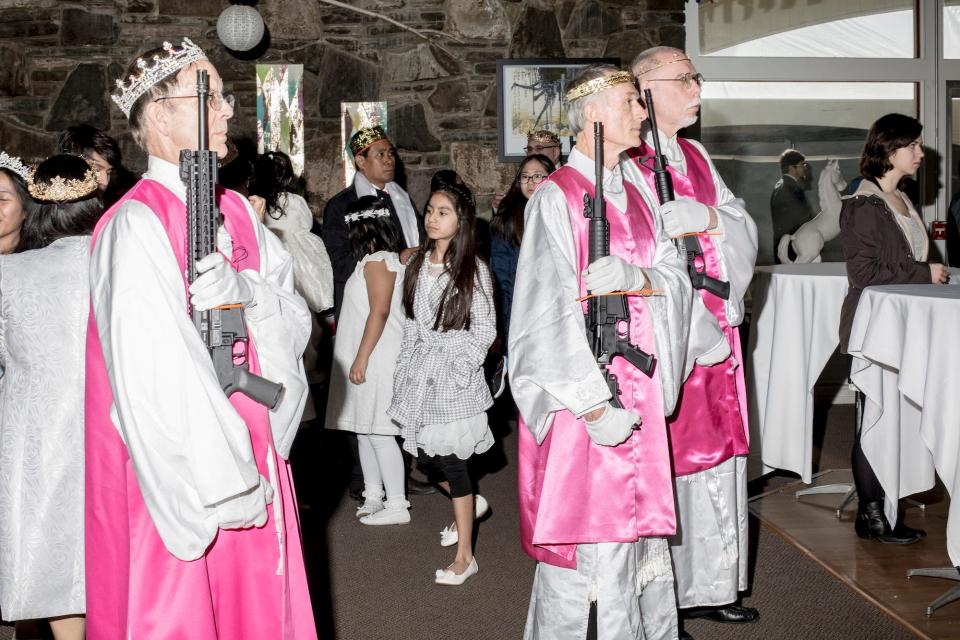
(359, 161)
(157, 117)
(592, 112)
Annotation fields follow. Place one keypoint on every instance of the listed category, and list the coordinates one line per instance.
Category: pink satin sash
(709, 424)
(571, 490)
(135, 586)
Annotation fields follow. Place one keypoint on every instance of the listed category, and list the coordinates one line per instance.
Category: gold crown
(598, 84)
(366, 137)
(659, 61)
(174, 59)
(60, 190)
(14, 164)
(543, 136)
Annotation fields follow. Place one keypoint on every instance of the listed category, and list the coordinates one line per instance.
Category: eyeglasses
(535, 178)
(686, 80)
(538, 148)
(215, 100)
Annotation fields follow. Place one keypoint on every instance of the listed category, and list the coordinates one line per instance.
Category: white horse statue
(808, 240)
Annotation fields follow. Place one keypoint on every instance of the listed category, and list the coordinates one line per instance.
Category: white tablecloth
(794, 331)
(906, 346)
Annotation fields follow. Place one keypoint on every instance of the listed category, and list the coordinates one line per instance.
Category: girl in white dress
(364, 356)
(440, 396)
(44, 303)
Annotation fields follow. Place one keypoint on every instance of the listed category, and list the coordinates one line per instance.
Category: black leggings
(869, 488)
(449, 468)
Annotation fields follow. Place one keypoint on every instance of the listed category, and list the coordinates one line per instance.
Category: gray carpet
(375, 583)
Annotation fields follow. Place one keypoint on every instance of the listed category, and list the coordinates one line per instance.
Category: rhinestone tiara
(372, 213)
(14, 164)
(598, 84)
(173, 59)
(60, 190)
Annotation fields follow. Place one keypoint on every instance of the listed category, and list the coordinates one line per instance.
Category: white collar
(670, 148)
(612, 178)
(167, 174)
(364, 187)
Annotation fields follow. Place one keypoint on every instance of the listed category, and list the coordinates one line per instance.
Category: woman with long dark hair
(507, 231)
(43, 326)
(884, 242)
(440, 396)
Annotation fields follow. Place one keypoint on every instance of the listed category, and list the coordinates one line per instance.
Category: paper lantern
(240, 28)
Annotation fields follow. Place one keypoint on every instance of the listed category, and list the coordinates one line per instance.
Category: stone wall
(58, 60)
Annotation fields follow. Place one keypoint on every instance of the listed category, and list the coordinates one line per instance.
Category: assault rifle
(222, 329)
(691, 245)
(605, 313)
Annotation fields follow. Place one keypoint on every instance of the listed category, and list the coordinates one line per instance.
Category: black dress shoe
(731, 614)
(356, 494)
(419, 487)
(903, 530)
(871, 524)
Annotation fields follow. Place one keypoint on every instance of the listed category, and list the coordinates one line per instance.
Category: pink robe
(573, 491)
(244, 586)
(709, 424)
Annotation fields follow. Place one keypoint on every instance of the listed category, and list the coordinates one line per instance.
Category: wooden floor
(874, 570)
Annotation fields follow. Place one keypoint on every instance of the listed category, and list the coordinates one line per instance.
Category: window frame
(929, 71)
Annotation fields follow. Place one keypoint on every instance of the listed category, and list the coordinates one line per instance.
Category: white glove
(612, 273)
(684, 215)
(248, 509)
(218, 285)
(716, 355)
(613, 426)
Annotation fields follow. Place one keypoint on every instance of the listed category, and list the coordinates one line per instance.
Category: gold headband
(366, 137)
(661, 62)
(543, 136)
(599, 84)
(60, 190)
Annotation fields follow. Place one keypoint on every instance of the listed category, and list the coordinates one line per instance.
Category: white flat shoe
(392, 513)
(449, 578)
(449, 537)
(369, 507)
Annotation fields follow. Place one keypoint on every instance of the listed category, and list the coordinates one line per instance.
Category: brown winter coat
(876, 251)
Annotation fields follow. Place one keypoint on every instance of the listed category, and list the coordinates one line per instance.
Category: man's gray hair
(576, 117)
(648, 57)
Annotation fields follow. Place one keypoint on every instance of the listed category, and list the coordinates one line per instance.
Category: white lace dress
(44, 303)
(312, 272)
(363, 408)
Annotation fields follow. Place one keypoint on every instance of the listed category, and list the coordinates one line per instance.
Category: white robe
(44, 304)
(199, 473)
(552, 369)
(710, 550)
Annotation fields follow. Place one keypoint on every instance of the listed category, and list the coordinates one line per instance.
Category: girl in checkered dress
(440, 396)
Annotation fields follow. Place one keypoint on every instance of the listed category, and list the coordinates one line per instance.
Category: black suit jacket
(337, 241)
(789, 208)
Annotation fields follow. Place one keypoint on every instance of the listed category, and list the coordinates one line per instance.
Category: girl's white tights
(382, 465)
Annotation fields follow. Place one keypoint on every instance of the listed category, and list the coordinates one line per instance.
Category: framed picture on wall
(530, 95)
(280, 111)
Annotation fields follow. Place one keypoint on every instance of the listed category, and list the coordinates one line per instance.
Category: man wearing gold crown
(596, 497)
(191, 519)
(708, 431)
(376, 161)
